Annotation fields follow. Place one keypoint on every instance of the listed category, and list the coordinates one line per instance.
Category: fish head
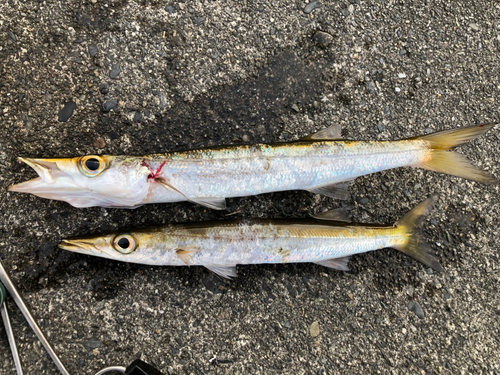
(87, 181)
(131, 247)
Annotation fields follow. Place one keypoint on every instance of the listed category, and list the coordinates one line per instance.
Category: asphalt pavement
(125, 77)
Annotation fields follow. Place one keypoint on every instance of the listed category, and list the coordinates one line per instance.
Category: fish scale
(220, 246)
(208, 176)
(243, 171)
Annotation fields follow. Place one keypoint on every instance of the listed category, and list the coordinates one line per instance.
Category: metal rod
(10, 336)
(11, 288)
(114, 368)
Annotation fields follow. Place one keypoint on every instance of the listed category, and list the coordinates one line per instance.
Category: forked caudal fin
(444, 161)
(416, 247)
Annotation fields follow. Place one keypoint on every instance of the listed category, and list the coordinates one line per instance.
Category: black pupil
(92, 164)
(124, 243)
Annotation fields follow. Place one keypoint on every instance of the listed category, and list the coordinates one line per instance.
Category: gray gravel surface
(204, 73)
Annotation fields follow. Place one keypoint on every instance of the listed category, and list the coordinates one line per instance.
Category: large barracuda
(321, 163)
(220, 246)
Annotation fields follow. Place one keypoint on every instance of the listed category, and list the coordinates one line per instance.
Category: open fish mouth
(50, 178)
(80, 246)
(58, 180)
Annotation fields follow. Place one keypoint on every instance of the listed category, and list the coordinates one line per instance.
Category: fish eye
(91, 165)
(124, 243)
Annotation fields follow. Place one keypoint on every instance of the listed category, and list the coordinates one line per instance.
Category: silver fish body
(220, 246)
(261, 242)
(208, 176)
(257, 169)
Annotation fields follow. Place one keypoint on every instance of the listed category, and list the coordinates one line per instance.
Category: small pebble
(137, 117)
(66, 112)
(371, 87)
(93, 344)
(100, 143)
(115, 70)
(92, 50)
(345, 13)
(12, 36)
(314, 329)
(322, 39)
(311, 6)
(170, 9)
(364, 201)
(417, 309)
(446, 295)
(397, 89)
(474, 27)
(104, 88)
(295, 107)
(402, 52)
(410, 290)
(113, 135)
(401, 75)
(109, 105)
(246, 138)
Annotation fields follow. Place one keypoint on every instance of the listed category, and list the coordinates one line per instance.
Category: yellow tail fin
(444, 161)
(416, 247)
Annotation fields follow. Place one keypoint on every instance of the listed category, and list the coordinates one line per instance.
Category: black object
(139, 367)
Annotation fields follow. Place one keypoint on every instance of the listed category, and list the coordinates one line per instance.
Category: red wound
(154, 174)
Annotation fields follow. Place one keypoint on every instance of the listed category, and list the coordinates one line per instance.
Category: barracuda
(321, 163)
(222, 245)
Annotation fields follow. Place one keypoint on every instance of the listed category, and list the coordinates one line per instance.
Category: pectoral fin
(337, 214)
(227, 272)
(337, 191)
(213, 203)
(186, 254)
(331, 133)
(167, 185)
(336, 263)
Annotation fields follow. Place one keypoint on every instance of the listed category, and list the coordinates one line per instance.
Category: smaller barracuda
(321, 163)
(220, 246)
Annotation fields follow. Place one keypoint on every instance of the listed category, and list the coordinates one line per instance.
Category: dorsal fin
(337, 214)
(331, 133)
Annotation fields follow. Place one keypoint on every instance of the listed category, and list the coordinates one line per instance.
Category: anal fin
(336, 263)
(337, 191)
(337, 214)
(226, 272)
